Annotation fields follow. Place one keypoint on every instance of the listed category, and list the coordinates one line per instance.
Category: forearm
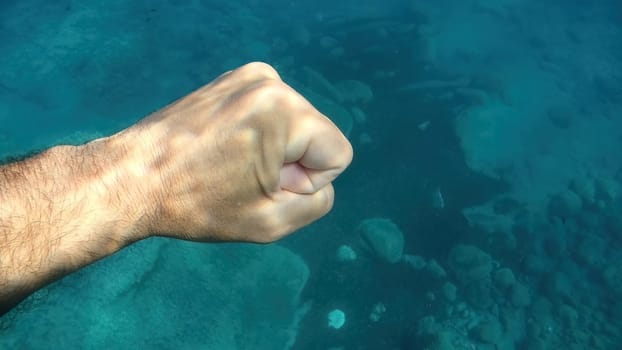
(59, 211)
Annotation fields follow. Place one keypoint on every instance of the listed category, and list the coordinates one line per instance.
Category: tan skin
(245, 158)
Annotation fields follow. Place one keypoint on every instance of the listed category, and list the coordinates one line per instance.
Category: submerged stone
(383, 238)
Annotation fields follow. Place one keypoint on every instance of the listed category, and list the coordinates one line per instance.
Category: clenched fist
(245, 158)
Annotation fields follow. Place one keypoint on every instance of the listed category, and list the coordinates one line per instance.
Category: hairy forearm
(59, 211)
(244, 158)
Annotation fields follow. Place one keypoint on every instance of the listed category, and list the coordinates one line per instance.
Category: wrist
(87, 204)
(112, 189)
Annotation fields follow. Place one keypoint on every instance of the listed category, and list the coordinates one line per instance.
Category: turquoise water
(481, 211)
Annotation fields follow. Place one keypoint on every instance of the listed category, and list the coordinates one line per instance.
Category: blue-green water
(490, 139)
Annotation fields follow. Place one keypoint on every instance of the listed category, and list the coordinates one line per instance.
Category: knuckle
(348, 155)
(270, 90)
(272, 95)
(261, 69)
(328, 199)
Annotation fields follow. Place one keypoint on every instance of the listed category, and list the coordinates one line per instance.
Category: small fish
(438, 202)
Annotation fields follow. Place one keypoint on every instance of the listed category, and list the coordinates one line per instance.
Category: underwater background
(482, 210)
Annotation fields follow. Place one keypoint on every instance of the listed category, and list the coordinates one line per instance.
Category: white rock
(336, 319)
(345, 253)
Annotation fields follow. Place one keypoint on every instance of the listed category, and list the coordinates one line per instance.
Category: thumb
(297, 178)
(294, 178)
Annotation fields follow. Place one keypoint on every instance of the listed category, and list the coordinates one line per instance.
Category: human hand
(245, 158)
